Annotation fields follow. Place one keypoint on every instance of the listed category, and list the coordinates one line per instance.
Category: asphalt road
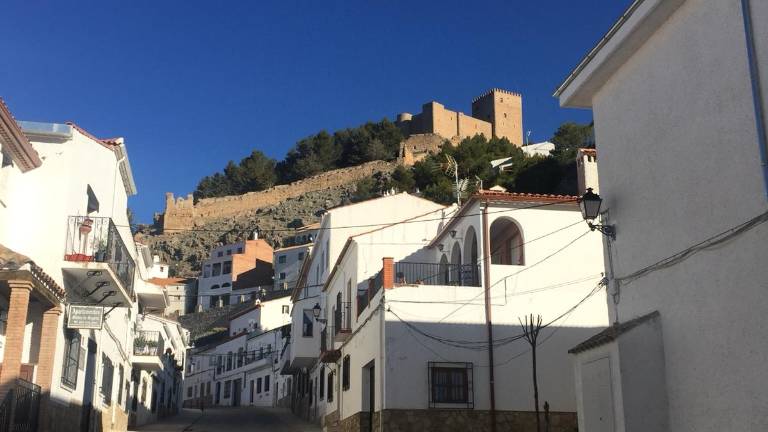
(251, 419)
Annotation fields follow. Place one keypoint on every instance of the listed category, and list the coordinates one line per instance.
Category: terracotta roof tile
(109, 143)
(484, 194)
(168, 281)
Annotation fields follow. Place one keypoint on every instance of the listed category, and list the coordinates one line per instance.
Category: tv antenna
(452, 168)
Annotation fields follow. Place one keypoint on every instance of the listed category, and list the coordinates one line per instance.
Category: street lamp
(590, 209)
(316, 313)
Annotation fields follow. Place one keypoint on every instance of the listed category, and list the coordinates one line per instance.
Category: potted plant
(86, 226)
(101, 251)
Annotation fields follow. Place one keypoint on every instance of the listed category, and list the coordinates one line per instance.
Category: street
(232, 420)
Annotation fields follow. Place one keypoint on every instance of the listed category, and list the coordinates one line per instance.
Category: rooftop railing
(412, 273)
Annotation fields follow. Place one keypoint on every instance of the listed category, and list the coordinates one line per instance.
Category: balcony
(98, 260)
(342, 322)
(410, 273)
(148, 350)
(326, 355)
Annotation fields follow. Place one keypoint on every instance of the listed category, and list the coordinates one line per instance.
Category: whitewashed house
(335, 228)
(235, 273)
(78, 359)
(287, 262)
(678, 92)
(411, 340)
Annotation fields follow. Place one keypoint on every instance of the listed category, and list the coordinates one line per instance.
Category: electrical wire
(684, 254)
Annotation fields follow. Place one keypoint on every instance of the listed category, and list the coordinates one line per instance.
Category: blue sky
(192, 84)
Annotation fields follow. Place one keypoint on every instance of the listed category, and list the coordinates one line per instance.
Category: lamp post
(590, 204)
(316, 313)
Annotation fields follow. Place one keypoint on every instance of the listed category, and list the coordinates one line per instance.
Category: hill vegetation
(554, 174)
(312, 155)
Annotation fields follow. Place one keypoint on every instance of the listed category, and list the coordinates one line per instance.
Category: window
(307, 328)
(71, 359)
(282, 275)
(213, 287)
(266, 383)
(227, 388)
(214, 301)
(229, 251)
(207, 271)
(119, 385)
(239, 357)
(220, 254)
(208, 388)
(216, 269)
(330, 387)
(450, 383)
(322, 383)
(258, 385)
(225, 299)
(301, 256)
(227, 267)
(345, 373)
(240, 250)
(286, 309)
(229, 361)
(251, 391)
(189, 392)
(506, 242)
(282, 259)
(107, 372)
(226, 285)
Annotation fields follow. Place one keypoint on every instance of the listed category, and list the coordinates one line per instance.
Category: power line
(709, 242)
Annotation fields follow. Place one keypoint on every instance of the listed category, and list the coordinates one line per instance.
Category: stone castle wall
(182, 213)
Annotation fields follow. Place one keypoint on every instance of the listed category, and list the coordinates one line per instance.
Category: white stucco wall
(679, 162)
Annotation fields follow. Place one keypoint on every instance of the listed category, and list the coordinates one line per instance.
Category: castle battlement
(496, 90)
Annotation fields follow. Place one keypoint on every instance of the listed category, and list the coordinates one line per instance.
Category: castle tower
(504, 110)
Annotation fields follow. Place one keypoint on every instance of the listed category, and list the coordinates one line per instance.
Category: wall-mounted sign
(85, 317)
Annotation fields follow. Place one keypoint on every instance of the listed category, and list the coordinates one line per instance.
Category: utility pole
(531, 331)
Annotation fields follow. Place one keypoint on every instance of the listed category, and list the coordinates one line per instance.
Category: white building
(65, 238)
(235, 273)
(420, 344)
(336, 226)
(674, 87)
(181, 294)
(287, 262)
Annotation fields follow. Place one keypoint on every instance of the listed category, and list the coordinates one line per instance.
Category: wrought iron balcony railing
(148, 343)
(342, 318)
(437, 274)
(96, 239)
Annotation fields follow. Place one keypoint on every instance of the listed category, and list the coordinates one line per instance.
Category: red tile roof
(18, 145)
(489, 195)
(168, 281)
(109, 143)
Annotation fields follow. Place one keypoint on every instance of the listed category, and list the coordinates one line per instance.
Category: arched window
(456, 264)
(470, 272)
(445, 272)
(215, 287)
(226, 285)
(506, 242)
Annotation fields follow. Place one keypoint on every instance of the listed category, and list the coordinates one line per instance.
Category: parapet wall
(183, 213)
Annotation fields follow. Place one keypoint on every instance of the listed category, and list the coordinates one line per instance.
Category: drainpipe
(488, 323)
(757, 100)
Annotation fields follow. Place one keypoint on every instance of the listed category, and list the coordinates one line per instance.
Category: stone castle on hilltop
(496, 113)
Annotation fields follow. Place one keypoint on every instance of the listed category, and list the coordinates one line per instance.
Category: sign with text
(85, 317)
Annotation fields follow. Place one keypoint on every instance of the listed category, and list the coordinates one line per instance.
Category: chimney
(586, 170)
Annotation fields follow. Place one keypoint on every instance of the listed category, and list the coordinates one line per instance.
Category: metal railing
(20, 409)
(364, 296)
(96, 239)
(148, 343)
(342, 319)
(437, 274)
